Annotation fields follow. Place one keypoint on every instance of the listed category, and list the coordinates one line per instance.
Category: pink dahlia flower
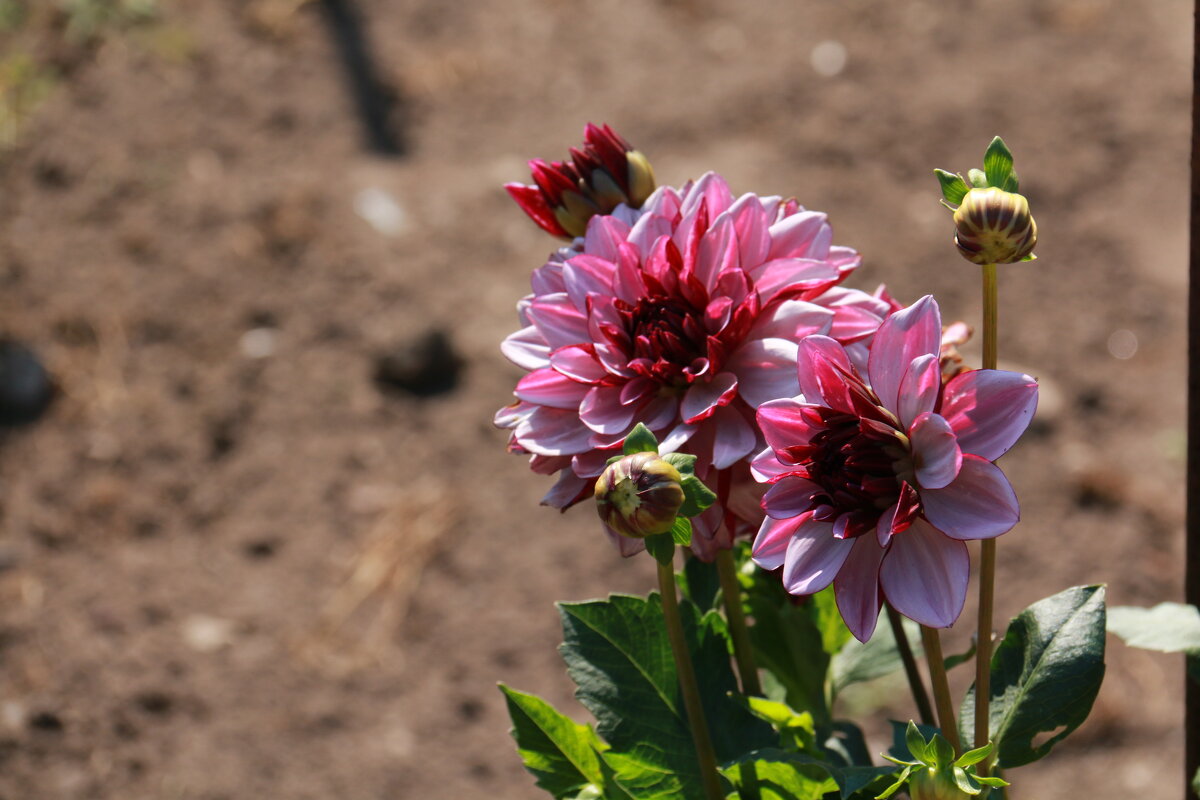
(684, 317)
(879, 475)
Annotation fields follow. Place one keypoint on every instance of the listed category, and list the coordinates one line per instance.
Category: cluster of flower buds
(992, 223)
(605, 172)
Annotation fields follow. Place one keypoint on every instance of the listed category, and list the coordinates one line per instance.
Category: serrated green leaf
(1045, 674)
(661, 547)
(696, 496)
(640, 440)
(858, 662)
(560, 753)
(781, 771)
(954, 188)
(788, 644)
(618, 654)
(997, 163)
(1167, 627)
(684, 462)
(681, 531)
(978, 178)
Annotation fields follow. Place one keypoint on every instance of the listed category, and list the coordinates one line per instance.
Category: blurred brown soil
(232, 565)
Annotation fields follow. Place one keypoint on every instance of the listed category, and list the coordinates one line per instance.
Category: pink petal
(787, 423)
(851, 323)
(750, 223)
(553, 432)
(919, 388)
(526, 348)
(602, 410)
(823, 366)
(785, 275)
(678, 435)
(578, 362)
(605, 234)
(627, 546)
(659, 412)
(813, 557)
(766, 467)
(792, 320)
(790, 497)
(899, 517)
(546, 387)
(857, 587)
(628, 283)
(911, 332)
(548, 278)
(989, 410)
(566, 490)
(703, 397)
(718, 252)
(925, 574)
(979, 504)
(935, 452)
(735, 438)
(792, 236)
(559, 322)
(771, 543)
(586, 275)
(710, 189)
(766, 370)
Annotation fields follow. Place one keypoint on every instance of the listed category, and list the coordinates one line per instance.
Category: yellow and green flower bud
(993, 226)
(639, 496)
(934, 784)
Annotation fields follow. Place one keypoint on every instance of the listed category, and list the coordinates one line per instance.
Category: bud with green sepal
(992, 222)
(643, 495)
(935, 774)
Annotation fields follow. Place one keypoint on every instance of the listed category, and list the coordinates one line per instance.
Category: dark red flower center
(668, 342)
(856, 462)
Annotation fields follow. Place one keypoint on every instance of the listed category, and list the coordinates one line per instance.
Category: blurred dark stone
(25, 386)
(424, 366)
(46, 721)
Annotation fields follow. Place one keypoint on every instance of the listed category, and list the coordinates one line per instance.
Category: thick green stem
(987, 553)
(731, 595)
(915, 684)
(687, 684)
(941, 686)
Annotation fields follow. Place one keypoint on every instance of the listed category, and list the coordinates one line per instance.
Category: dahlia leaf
(998, 163)
(858, 662)
(618, 654)
(782, 774)
(700, 583)
(640, 440)
(661, 546)
(681, 531)
(560, 753)
(1045, 675)
(1168, 627)
(954, 188)
(696, 496)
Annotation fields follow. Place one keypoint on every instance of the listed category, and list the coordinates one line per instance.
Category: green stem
(920, 696)
(731, 594)
(941, 686)
(987, 553)
(687, 684)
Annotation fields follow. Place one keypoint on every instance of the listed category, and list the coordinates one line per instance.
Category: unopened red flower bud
(993, 226)
(639, 496)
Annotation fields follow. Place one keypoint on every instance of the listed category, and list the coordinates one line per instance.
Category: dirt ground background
(234, 565)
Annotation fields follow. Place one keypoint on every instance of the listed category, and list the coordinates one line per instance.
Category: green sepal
(901, 779)
(613, 460)
(1030, 257)
(684, 462)
(975, 756)
(998, 163)
(1012, 184)
(978, 178)
(681, 532)
(943, 753)
(964, 782)
(991, 780)
(916, 742)
(640, 440)
(662, 547)
(1196, 783)
(696, 496)
(954, 188)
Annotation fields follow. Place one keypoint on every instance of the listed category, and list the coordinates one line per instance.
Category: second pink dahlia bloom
(879, 475)
(683, 316)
